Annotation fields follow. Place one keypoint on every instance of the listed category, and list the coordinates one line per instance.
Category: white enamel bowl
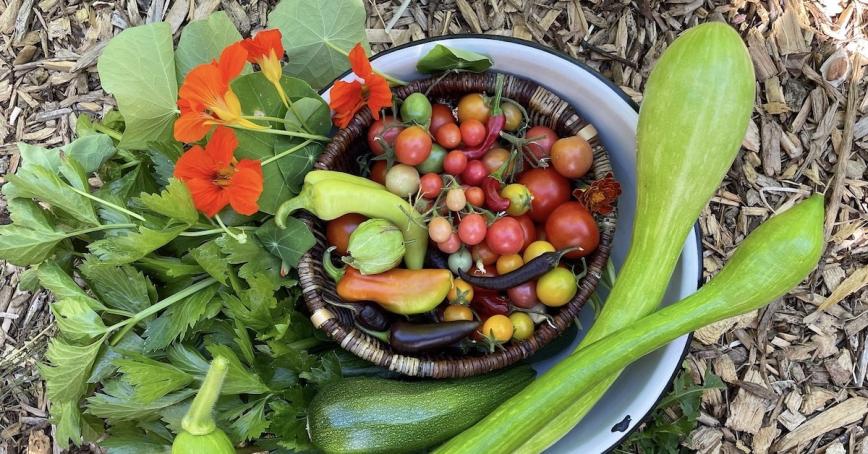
(638, 389)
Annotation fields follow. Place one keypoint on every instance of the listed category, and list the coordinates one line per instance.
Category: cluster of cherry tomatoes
(424, 157)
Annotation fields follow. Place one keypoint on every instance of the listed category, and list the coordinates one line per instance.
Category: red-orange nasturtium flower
(216, 179)
(266, 50)
(206, 99)
(348, 97)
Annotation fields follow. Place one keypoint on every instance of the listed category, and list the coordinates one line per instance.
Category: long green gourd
(769, 262)
(698, 101)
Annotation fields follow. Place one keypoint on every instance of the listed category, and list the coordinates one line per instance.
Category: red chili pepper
(493, 200)
(487, 304)
(496, 121)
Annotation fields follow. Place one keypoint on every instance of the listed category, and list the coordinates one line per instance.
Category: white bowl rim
(622, 95)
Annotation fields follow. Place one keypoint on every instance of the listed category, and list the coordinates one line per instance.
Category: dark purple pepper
(408, 337)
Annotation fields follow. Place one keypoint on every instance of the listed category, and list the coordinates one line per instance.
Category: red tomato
(505, 236)
(431, 184)
(494, 158)
(338, 230)
(472, 132)
(528, 229)
(455, 162)
(449, 135)
(472, 229)
(413, 146)
(572, 156)
(549, 189)
(388, 129)
(571, 225)
(541, 148)
(475, 195)
(482, 253)
(524, 295)
(451, 245)
(441, 114)
(378, 172)
(474, 173)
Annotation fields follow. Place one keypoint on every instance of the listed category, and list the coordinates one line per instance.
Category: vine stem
(131, 322)
(267, 161)
(108, 204)
(391, 79)
(281, 132)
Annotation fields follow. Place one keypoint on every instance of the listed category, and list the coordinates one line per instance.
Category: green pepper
(331, 196)
(199, 433)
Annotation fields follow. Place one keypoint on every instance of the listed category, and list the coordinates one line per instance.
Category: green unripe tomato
(434, 162)
(215, 442)
(375, 246)
(460, 260)
(416, 109)
(402, 180)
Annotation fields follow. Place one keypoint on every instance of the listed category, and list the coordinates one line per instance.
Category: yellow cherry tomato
(536, 249)
(498, 327)
(460, 293)
(456, 312)
(557, 287)
(522, 326)
(507, 263)
(519, 198)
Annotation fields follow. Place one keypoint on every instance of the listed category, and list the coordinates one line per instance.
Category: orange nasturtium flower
(206, 99)
(216, 179)
(348, 97)
(266, 50)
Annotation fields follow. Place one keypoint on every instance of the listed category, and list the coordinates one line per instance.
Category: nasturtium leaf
(239, 379)
(211, 259)
(151, 379)
(442, 58)
(76, 320)
(91, 151)
(289, 243)
(117, 402)
(138, 67)
(313, 115)
(318, 35)
(54, 279)
(203, 40)
(22, 246)
(121, 287)
(123, 249)
(67, 369)
(39, 182)
(67, 420)
(174, 202)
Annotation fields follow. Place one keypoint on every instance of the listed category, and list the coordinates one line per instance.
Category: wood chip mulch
(795, 373)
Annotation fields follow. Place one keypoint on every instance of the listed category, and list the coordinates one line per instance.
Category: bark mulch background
(795, 371)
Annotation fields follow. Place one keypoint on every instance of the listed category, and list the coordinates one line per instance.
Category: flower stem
(133, 321)
(114, 134)
(286, 152)
(108, 204)
(242, 238)
(393, 80)
(281, 132)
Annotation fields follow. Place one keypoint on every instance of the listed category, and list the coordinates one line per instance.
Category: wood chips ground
(795, 371)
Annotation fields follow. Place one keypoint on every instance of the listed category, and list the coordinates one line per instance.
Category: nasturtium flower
(369, 88)
(206, 99)
(266, 50)
(216, 179)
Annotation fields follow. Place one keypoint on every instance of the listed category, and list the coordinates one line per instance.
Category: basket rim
(566, 121)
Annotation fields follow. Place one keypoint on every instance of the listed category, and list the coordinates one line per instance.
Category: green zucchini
(376, 415)
(768, 263)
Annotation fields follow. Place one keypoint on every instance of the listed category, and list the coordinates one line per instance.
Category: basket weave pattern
(544, 108)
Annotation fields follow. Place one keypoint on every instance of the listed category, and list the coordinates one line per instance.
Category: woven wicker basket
(342, 154)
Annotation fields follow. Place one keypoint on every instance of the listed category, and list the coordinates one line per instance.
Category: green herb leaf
(123, 249)
(174, 202)
(22, 246)
(253, 307)
(318, 35)
(138, 68)
(288, 244)
(163, 157)
(134, 444)
(91, 151)
(121, 287)
(289, 424)
(442, 58)
(255, 261)
(328, 371)
(239, 379)
(169, 269)
(174, 322)
(313, 116)
(38, 182)
(67, 419)
(54, 279)
(211, 259)
(203, 40)
(67, 370)
(34, 155)
(76, 320)
(25, 212)
(248, 421)
(117, 402)
(188, 359)
(151, 379)
(104, 365)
